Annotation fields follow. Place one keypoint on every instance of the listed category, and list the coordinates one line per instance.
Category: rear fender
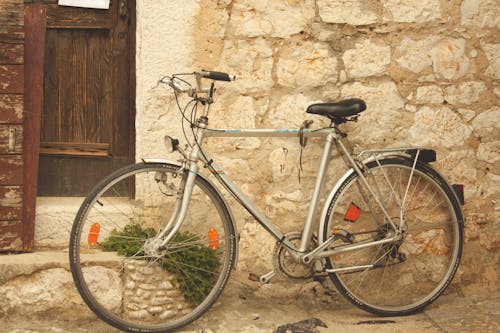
(425, 155)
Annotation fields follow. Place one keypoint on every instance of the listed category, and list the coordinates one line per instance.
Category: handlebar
(217, 76)
(182, 86)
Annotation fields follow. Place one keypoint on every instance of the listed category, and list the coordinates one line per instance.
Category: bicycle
(390, 231)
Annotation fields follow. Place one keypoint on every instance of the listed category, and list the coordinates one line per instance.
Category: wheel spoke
(408, 274)
(137, 285)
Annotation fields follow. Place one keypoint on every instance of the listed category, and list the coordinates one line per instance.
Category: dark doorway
(89, 84)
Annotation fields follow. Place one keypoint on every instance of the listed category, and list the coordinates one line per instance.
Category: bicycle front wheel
(114, 257)
(407, 274)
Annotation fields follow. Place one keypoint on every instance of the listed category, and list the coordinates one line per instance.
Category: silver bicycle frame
(332, 137)
(246, 202)
(302, 252)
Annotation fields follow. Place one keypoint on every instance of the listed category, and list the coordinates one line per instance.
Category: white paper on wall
(99, 4)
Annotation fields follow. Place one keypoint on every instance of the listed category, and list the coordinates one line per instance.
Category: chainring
(285, 264)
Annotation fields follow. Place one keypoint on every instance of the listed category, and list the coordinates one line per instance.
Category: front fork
(187, 184)
(181, 205)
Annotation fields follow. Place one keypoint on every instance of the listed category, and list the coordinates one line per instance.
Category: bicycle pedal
(253, 277)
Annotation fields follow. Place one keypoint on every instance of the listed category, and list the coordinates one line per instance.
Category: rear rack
(422, 154)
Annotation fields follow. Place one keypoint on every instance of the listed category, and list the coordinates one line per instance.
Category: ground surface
(246, 307)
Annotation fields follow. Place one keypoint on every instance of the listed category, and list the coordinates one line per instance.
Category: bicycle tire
(133, 288)
(407, 275)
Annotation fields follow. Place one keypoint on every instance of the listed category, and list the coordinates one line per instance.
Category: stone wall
(150, 293)
(428, 71)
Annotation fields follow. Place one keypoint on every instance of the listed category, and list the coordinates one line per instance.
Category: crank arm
(263, 278)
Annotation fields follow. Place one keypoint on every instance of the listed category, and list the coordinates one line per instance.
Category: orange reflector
(94, 234)
(352, 213)
(213, 238)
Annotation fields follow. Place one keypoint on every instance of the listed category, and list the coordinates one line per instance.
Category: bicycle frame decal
(269, 133)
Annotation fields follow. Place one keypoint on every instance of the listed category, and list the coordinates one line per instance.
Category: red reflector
(94, 234)
(352, 213)
(459, 191)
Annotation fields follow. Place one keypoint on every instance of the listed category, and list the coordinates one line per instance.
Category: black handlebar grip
(218, 76)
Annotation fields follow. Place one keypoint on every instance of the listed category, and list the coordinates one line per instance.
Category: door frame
(34, 53)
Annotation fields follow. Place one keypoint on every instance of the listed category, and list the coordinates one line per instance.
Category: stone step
(41, 281)
(15, 265)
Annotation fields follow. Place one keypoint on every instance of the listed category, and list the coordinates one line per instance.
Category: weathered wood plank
(11, 79)
(73, 17)
(11, 14)
(11, 139)
(11, 53)
(78, 87)
(11, 109)
(11, 203)
(12, 46)
(34, 53)
(11, 170)
(75, 149)
(11, 233)
(15, 36)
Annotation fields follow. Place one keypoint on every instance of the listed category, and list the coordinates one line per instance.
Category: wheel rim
(135, 287)
(429, 252)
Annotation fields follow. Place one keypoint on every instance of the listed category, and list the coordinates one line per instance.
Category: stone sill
(54, 219)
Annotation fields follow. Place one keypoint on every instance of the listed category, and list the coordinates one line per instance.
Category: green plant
(129, 241)
(193, 265)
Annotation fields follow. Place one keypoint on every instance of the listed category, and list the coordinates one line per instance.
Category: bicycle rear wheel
(119, 272)
(403, 276)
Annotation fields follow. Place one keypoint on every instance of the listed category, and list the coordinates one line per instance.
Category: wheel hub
(152, 247)
(393, 254)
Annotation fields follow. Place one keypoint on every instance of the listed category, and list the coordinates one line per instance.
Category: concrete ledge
(41, 281)
(14, 265)
(54, 219)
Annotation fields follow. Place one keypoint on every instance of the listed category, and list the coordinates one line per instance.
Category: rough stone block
(251, 18)
(438, 126)
(384, 114)
(465, 93)
(290, 111)
(467, 114)
(251, 62)
(487, 124)
(255, 242)
(493, 186)
(459, 166)
(366, 59)
(308, 66)
(489, 152)
(492, 52)
(360, 12)
(480, 13)
(414, 55)
(449, 60)
(411, 11)
(429, 94)
(496, 91)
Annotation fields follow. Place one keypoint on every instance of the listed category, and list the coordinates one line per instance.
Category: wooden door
(87, 117)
